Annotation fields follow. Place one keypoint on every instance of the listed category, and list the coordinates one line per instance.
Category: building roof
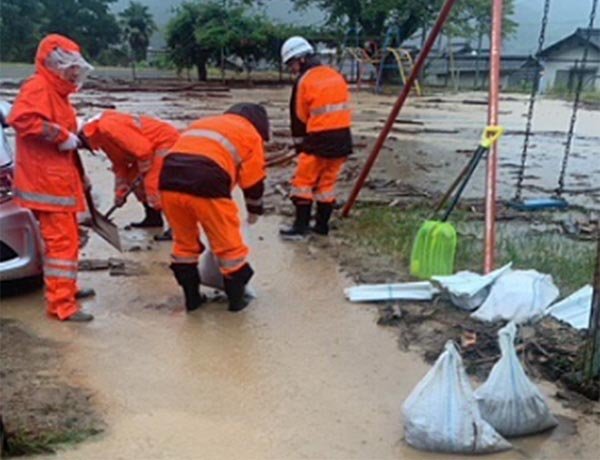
(577, 38)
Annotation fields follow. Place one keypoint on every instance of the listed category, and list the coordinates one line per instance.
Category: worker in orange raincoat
(47, 179)
(136, 146)
(211, 157)
(320, 123)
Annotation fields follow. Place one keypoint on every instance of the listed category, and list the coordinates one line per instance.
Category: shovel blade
(105, 229)
(433, 250)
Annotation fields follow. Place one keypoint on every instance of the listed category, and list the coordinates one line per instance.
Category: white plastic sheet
(441, 413)
(468, 290)
(420, 290)
(508, 400)
(519, 296)
(575, 309)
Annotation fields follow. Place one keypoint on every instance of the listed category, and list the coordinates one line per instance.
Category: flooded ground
(301, 373)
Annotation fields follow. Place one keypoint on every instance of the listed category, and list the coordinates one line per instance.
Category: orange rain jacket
(320, 113)
(215, 154)
(46, 179)
(135, 145)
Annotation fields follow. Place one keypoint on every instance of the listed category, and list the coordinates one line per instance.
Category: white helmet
(295, 47)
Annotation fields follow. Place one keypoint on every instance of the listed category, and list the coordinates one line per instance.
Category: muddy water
(300, 374)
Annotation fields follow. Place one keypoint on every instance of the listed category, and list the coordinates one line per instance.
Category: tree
(211, 31)
(137, 25)
(371, 16)
(21, 22)
(89, 22)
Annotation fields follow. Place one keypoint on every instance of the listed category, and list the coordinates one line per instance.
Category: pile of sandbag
(443, 414)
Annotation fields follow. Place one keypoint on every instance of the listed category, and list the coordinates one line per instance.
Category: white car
(20, 243)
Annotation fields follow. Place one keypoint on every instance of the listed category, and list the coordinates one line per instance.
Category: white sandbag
(210, 275)
(575, 309)
(466, 289)
(508, 400)
(519, 296)
(441, 413)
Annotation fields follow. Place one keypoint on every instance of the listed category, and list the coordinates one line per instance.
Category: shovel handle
(136, 183)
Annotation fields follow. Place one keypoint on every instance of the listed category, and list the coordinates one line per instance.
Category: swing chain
(580, 76)
(534, 89)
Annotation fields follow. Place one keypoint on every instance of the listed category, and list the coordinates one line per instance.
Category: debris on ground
(419, 290)
(115, 266)
(553, 349)
(575, 309)
(40, 409)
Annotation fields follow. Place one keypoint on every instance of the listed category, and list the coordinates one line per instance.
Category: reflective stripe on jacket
(46, 179)
(320, 113)
(231, 142)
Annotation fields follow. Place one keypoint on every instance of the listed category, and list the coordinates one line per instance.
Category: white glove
(70, 144)
(252, 218)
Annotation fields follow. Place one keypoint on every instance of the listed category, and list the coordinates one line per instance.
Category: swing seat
(539, 204)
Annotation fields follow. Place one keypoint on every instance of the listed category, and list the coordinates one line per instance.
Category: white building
(561, 62)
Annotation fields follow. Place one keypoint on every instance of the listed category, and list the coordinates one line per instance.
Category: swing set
(557, 200)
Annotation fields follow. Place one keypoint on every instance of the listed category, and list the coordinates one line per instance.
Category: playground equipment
(363, 60)
(556, 201)
(376, 59)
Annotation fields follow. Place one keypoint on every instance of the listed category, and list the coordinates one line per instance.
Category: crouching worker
(136, 146)
(320, 122)
(47, 179)
(211, 157)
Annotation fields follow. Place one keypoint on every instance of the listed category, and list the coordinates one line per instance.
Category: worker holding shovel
(136, 146)
(211, 157)
(47, 178)
(320, 122)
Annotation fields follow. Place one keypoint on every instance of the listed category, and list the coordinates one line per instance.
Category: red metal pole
(435, 31)
(492, 162)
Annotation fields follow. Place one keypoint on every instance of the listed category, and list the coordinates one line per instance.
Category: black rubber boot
(153, 219)
(188, 278)
(324, 211)
(85, 293)
(235, 287)
(300, 228)
(167, 235)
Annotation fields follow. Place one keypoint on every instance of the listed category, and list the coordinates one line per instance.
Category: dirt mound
(549, 349)
(39, 408)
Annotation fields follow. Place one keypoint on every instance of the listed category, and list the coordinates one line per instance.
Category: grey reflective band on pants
(330, 108)
(231, 263)
(62, 262)
(54, 272)
(219, 138)
(46, 199)
(184, 260)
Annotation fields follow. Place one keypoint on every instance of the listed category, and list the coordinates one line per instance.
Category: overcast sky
(565, 16)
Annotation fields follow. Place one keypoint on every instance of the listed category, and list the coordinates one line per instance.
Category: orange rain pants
(218, 217)
(316, 178)
(61, 249)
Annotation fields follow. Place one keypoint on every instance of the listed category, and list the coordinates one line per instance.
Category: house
(562, 62)
(466, 69)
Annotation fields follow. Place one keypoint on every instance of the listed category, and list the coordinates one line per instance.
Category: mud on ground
(40, 404)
